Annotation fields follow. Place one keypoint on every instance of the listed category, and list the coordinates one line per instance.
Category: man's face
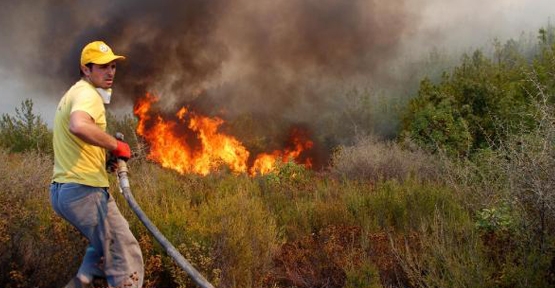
(101, 76)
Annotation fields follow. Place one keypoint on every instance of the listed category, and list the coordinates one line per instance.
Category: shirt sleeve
(88, 101)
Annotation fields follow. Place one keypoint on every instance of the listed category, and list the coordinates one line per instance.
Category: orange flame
(266, 162)
(213, 149)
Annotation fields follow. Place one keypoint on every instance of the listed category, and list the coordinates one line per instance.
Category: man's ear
(86, 70)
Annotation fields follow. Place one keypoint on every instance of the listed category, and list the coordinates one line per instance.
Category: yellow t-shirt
(74, 160)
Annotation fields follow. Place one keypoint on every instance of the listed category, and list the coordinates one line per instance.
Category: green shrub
(495, 219)
(25, 131)
(365, 276)
(509, 191)
(244, 236)
(288, 176)
(401, 207)
(480, 102)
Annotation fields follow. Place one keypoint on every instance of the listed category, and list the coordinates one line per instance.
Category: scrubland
(462, 197)
(381, 217)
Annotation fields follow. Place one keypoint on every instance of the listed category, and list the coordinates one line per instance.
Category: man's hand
(111, 163)
(122, 151)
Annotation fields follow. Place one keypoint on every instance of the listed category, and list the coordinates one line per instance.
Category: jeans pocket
(83, 212)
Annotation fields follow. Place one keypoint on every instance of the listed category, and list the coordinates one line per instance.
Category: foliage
(385, 214)
(449, 254)
(510, 191)
(245, 238)
(494, 219)
(246, 232)
(481, 101)
(287, 175)
(36, 247)
(435, 123)
(25, 130)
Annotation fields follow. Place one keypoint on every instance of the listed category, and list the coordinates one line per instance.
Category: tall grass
(508, 193)
(382, 216)
(36, 247)
(238, 231)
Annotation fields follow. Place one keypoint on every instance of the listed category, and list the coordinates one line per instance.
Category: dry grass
(36, 246)
(448, 255)
(373, 160)
(296, 228)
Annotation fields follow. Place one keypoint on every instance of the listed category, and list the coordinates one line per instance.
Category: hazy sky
(434, 23)
(473, 22)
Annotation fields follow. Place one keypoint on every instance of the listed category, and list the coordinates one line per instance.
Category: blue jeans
(113, 251)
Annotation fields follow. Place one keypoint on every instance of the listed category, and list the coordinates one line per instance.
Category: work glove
(122, 151)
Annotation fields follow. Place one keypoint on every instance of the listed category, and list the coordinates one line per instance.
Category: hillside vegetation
(464, 197)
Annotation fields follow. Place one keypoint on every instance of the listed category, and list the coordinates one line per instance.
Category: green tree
(25, 131)
(481, 100)
(434, 122)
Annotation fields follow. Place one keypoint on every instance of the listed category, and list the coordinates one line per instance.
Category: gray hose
(170, 249)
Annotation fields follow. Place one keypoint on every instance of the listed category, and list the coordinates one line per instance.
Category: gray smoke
(278, 62)
(242, 56)
(189, 47)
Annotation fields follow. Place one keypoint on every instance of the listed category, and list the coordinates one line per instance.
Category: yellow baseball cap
(98, 52)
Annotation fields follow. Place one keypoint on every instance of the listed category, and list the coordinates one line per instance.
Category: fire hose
(170, 249)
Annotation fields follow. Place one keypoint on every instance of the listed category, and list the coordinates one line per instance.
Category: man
(79, 191)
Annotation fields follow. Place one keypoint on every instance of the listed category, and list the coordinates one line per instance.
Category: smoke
(273, 63)
(237, 57)
(277, 63)
(470, 24)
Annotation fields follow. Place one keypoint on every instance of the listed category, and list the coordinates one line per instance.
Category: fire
(192, 143)
(265, 162)
(173, 151)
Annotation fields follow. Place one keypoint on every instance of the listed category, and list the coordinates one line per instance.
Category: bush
(480, 102)
(449, 254)
(37, 248)
(244, 237)
(218, 222)
(510, 192)
(372, 160)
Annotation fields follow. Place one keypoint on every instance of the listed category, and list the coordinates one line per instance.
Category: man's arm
(82, 125)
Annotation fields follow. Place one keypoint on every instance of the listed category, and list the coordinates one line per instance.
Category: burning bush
(189, 142)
